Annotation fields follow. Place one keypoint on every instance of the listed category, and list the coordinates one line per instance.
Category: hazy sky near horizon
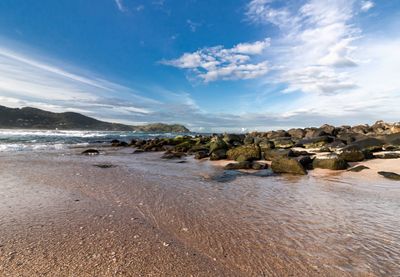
(211, 65)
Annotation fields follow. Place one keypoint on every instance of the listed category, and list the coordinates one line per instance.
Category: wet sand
(62, 216)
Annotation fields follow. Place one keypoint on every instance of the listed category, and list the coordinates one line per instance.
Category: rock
(313, 133)
(239, 165)
(217, 143)
(245, 153)
(370, 144)
(91, 152)
(390, 175)
(184, 146)
(201, 155)
(358, 168)
(138, 151)
(392, 139)
(272, 154)
(173, 155)
(287, 165)
(283, 142)
(266, 144)
(351, 153)
(387, 155)
(305, 161)
(248, 140)
(297, 133)
(233, 139)
(361, 129)
(316, 142)
(218, 154)
(277, 134)
(335, 145)
(333, 163)
(104, 165)
(328, 129)
(395, 128)
(258, 166)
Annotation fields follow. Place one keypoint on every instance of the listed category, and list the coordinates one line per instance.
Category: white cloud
(120, 5)
(193, 25)
(367, 5)
(218, 63)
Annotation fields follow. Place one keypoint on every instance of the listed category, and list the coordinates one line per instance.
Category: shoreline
(148, 215)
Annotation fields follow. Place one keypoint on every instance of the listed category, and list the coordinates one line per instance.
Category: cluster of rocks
(291, 151)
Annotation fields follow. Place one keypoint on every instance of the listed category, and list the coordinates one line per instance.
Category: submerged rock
(358, 168)
(240, 165)
(287, 165)
(390, 175)
(90, 152)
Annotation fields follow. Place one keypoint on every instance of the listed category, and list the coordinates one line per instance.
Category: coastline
(65, 215)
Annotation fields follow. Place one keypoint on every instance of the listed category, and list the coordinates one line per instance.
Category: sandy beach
(61, 215)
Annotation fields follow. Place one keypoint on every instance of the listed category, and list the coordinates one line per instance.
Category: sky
(227, 65)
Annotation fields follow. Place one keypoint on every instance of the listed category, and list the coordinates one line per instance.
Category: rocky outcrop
(332, 163)
(287, 165)
(243, 153)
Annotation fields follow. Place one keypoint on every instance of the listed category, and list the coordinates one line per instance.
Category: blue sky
(211, 65)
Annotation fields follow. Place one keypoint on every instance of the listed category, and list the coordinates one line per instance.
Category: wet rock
(201, 155)
(117, 143)
(351, 153)
(245, 153)
(258, 166)
(305, 161)
(233, 139)
(138, 151)
(265, 144)
(358, 168)
(173, 155)
(287, 165)
(239, 165)
(390, 175)
(272, 154)
(184, 146)
(104, 165)
(217, 143)
(333, 163)
(283, 142)
(218, 154)
(90, 152)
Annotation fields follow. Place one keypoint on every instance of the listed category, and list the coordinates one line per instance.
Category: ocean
(31, 140)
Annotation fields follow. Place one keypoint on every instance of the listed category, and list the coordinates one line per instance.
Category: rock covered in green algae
(272, 154)
(249, 152)
(332, 163)
(288, 165)
(352, 153)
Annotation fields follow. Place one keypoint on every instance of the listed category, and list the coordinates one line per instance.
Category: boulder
(248, 140)
(387, 155)
(392, 139)
(117, 143)
(313, 133)
(272, 154)
(287, 165)
(90, 152)
(361, 129)
(351, 153)
(297, 133)
(333, 163)
(245, 153)
(277, 134)
(217, 143)
(370, 144)
(218, 154)
(390, 175)
(184, 146)
(316, 142)
(173, 155)
(233, 139)
(283, 142)
(201, 155)
(305, 161)
(265, 144)
(258, 166)
(328, 129)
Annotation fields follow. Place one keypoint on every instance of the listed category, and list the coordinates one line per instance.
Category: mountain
(32, 118)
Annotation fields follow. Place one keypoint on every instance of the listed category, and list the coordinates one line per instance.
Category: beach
(124, 214)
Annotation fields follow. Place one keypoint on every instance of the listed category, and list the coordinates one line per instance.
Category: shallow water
(323, 224)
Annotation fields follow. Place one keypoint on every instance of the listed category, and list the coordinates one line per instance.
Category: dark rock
(266, 144)
(233, 139)
(104, 165)
(272, 154)
(390, 175)
(245, 153)
(316, 142)
(352, 153)
(287, 165)
(217, 143)
(387, 155)
(239, 165)
(370, 144)
(91, 152)
(328, 129)
(173, 155)
(277, 134)
(218, 154)
(305, 161)
(138, 151)
(313, 133)
(334, 163)
(258, 166)
(184, 146)
(358, 168)
(117, 143)
(201, 155)
(392, 139)
(283, 142)
(248, 140)
(335, 145)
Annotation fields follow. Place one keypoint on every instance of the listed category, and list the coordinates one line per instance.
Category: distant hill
(32, 118)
